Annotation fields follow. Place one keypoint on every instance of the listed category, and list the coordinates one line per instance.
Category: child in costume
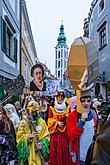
(32, 137)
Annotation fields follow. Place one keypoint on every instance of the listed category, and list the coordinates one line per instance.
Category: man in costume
(83, 70)
(59, 144)
(32, 137)
(80, 126)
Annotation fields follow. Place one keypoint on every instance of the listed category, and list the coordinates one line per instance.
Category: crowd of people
(40, 129)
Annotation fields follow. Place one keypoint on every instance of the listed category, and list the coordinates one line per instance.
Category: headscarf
(13, 115)
(11, 108)
(59, 107)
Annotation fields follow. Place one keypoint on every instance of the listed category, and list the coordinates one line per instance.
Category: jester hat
(33, 106)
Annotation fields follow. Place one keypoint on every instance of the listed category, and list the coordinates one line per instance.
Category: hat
(85, 93)
(60, 92)
(33, 106)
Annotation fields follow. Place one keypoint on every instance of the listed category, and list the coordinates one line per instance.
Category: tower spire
(61, 38)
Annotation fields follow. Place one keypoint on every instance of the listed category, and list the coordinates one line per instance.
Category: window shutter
(3, 35)
(15, 49)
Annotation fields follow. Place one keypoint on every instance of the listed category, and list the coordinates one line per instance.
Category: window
(101, 6)
(61, 73)
(25, 30)
(61, 63)
(61, 82)
(9, 43)
(102, 36)
(58, 74)
(59, 54)
(65, 65)
(56, 54)
(58, 64)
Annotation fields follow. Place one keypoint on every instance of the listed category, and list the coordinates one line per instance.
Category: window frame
(99, 5)
(102, 30)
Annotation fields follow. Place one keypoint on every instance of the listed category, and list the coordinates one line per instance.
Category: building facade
(97, 28)
(28, 50)
(61, 56)
(9, 41)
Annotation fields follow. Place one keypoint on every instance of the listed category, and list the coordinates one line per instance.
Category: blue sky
(45, 18)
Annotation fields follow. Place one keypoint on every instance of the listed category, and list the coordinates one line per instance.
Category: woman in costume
(37, 84)
(8, 150)
(59, 148)
(32, 137)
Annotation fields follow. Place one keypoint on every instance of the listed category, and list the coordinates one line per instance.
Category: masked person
(8, 150)
(80, 127)
(32, 137)
(37, 84)
(59, 145)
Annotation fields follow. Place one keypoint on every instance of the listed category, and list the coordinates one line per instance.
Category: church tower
(61, 55)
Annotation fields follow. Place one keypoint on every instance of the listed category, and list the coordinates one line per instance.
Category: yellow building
(28, 50)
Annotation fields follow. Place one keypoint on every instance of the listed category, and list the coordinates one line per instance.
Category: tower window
(61, 63)
(58, 64)
(56, 54)
(59, 54)
(65, 54)
(58, 74)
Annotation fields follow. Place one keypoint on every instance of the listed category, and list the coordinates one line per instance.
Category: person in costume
(12, 114)
(37, 84)
(43, 108)
(59, 144)
(101, 149)
(72, 103)
(8, 150)
(32, 137)
(80, 127)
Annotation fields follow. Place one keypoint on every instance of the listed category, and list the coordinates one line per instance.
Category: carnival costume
(13, 116)
(81, 122)
(27, 149)
(8, 150)
(59, 149)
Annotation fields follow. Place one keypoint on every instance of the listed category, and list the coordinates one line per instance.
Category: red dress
(59, 144)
